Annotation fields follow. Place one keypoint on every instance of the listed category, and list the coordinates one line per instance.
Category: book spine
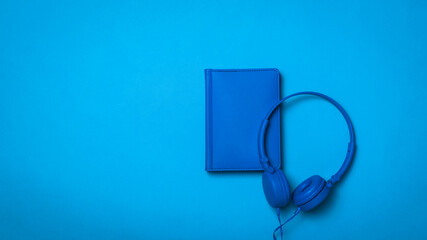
(208, 123)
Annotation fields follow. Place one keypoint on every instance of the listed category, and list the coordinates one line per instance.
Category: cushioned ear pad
(276, 188)
(310, 193)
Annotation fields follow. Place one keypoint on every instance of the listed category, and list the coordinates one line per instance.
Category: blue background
(102, 125)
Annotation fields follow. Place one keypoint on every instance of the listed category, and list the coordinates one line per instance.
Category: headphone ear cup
(310, 193)
(276, 188)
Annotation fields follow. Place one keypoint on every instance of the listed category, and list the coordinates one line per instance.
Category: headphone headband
(265, 163)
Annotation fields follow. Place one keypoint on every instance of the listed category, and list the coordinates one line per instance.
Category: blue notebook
(236, 103)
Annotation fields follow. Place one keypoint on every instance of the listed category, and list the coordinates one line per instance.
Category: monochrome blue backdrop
(102, 117)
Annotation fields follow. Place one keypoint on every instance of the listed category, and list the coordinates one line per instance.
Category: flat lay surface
(102, 117)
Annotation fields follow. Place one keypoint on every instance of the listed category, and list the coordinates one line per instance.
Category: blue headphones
(312, 191)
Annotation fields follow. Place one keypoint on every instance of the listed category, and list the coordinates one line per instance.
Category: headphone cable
(281, 224)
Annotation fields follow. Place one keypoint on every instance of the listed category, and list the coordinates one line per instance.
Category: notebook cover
(236, 103)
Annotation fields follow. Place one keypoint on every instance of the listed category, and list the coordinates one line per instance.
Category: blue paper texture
(102, 117)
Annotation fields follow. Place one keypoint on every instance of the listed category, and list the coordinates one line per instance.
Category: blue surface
(102, 117)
